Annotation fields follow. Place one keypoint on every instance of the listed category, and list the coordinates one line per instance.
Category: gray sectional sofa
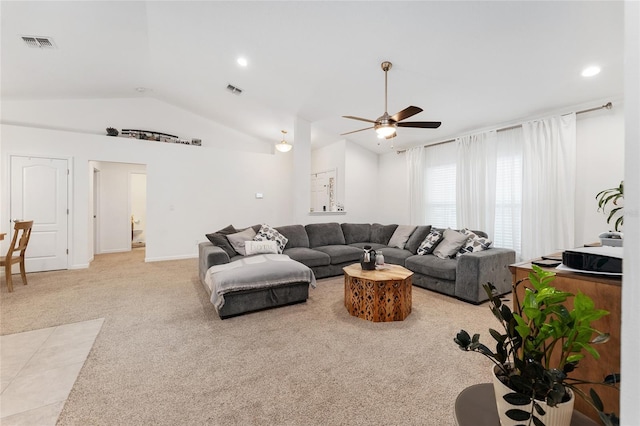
(328, 247)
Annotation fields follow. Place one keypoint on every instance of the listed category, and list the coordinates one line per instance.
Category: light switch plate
(259, 195)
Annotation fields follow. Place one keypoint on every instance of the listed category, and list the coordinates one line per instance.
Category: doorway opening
(118, 206)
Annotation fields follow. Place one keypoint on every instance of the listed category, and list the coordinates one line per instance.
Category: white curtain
(416, 174)
(548, 187)
(476, 182)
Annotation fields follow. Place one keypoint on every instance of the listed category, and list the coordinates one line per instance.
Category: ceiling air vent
(233, 89)
(39, 42)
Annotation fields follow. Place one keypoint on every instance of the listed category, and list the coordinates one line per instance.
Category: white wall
(191, 190)
(93, 116)
(393, 187)
(361, 191)
(599, 165)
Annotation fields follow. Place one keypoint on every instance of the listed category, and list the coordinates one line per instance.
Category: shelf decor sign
(154, 136)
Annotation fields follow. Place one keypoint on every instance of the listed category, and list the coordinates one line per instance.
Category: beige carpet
(164, 357)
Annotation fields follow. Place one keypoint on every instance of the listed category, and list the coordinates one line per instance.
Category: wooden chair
(21, 235)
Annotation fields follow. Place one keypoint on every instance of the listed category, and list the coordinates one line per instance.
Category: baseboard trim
(163, 258)
(79, 266)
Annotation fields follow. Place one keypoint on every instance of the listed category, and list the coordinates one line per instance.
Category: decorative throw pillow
(475, 243)
(429, 244)
(267, 233)
(219, 239)
(260, 247)
(450, 244)
(238, 239)
(401, 236)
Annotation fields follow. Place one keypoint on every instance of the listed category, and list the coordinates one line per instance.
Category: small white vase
(560, 415)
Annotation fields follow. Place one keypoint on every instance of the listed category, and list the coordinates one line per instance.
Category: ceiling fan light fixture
(385, 130)
(386, 125)
(283, 146)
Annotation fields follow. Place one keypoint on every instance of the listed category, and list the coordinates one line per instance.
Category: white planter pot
(560, 415)
(613, 239)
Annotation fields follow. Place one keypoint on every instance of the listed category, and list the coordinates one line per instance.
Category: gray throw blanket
(255, 272)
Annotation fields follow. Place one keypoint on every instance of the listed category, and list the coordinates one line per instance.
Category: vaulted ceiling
(468, 64)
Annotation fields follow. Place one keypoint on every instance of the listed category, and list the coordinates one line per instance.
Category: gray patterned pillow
(267, 233)
(430, 243)
(474, 244)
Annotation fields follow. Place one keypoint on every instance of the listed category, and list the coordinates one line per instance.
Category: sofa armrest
(475, 269)
(210, 255)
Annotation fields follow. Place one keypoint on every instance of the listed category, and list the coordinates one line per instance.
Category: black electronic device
(594, 259)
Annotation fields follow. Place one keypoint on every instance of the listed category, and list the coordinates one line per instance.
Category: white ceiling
(468, 64)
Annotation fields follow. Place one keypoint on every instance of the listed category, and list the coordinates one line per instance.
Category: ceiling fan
(386, 124)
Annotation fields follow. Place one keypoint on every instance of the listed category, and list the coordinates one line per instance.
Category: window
(508, 223)
(440, 185)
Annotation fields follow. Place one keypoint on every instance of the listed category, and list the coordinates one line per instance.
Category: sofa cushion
(401, 236)
(341, 253)
(324, 234)
(296, 235)
(417, 237)
(356, 232)
(430, 265)
(374, 246)
(238, 239)
(381, 234)
(219, 238)
(395, 255)
(267, 233)
(450, 244)
(430, 242)
(307, 256)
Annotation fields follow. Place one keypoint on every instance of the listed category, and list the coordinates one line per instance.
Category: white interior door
(39, 193)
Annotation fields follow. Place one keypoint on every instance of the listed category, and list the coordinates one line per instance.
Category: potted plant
(611, 198)
(539, 325)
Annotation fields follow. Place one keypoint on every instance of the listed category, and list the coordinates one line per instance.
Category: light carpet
(164, 357)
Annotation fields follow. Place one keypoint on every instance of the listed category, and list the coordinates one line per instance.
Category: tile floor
(38, 369)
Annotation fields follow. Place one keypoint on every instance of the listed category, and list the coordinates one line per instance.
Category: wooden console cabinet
(606, 292)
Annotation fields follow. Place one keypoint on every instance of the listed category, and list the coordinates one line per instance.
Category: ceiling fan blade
(421, 124)
(358, 118)
(348, 133)
(406, 113)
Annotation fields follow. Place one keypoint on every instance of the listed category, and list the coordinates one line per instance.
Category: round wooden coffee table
(378, 295)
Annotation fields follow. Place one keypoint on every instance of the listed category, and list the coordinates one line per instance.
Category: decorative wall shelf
(157, 137)
(326, 213)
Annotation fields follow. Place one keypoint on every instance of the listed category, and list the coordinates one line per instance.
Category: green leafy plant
(542, 324)
(613, 196)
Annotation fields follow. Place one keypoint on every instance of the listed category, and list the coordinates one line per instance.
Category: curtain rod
(608, 105)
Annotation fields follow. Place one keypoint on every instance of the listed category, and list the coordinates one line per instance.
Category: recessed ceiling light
(591, 71)
(242, 62)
